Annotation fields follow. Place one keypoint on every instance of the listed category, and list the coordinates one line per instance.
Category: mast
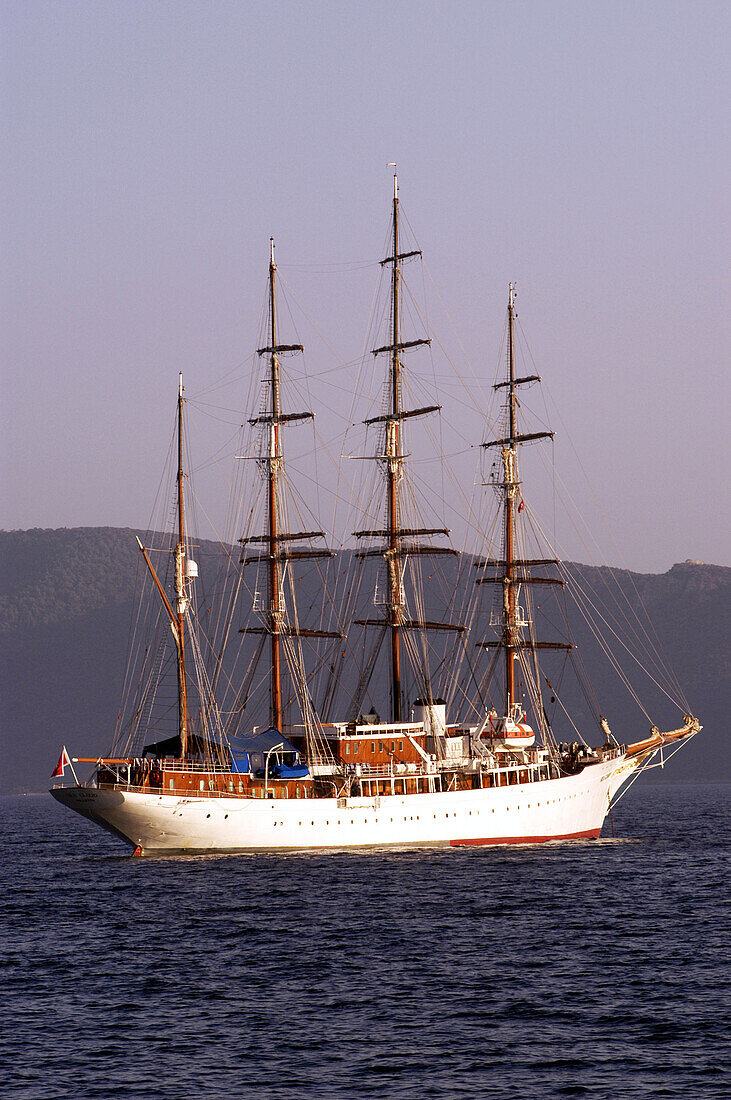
(394, 550)
(276, 539)
(181, 599)
(511, 572)
(393, 467)
(510, 480)
(176, 610)
(275, 611)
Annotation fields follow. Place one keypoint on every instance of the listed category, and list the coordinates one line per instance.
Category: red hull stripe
(587, 833)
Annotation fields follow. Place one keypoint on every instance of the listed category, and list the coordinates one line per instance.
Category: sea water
(587, 969)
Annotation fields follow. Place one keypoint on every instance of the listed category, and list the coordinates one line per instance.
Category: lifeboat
(514, 734)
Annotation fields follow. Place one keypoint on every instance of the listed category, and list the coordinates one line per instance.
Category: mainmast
(393, 471)
(395, 551)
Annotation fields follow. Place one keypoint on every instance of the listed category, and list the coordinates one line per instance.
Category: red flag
(63, 760)
(521, 506)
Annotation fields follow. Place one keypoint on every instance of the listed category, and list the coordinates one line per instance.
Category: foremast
(513, 571)
(276, 539)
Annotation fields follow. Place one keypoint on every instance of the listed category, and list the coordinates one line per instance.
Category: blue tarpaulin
(250, 755)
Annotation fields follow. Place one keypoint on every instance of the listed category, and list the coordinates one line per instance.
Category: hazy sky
(578, 148)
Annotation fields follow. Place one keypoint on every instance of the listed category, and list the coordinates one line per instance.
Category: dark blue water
(587, 969)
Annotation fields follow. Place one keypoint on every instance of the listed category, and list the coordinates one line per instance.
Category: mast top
(181, 387)
(511, 295)
(271, 252)
(392, 164)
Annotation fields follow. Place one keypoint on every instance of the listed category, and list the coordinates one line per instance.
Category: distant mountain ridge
(66, 604)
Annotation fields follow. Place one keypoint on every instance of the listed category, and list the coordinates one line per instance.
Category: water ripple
(579, 970)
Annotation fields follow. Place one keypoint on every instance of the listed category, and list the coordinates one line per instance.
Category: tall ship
(509, 766)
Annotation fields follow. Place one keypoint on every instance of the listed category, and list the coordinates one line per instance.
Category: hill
(66, 604)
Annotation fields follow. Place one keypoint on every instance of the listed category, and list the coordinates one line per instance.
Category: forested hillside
(66, 604)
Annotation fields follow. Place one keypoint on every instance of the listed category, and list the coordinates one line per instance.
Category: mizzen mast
(180, 594)
(177, 612)
(276, 539)
(275, 610)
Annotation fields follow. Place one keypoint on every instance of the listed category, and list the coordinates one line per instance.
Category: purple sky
(580, 149)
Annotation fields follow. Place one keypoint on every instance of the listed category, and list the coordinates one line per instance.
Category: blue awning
(262, 742)
(249, 754)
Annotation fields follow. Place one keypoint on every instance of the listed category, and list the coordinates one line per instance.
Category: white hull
(567, 808)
